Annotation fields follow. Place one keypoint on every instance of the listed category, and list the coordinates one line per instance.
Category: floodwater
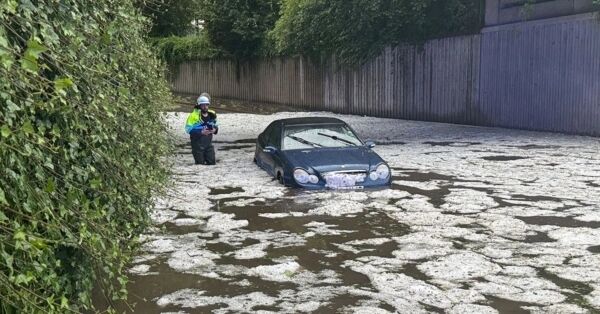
(476, 221)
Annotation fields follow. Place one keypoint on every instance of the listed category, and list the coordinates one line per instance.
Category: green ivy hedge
(81, 141)
(175, 49)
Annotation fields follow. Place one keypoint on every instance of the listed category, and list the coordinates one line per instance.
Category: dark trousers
(203, 149)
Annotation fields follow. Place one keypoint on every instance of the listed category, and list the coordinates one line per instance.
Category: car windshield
(319, 136)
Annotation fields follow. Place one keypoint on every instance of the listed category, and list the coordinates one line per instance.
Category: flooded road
(477, 220)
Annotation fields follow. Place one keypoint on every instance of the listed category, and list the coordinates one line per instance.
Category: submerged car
(317, 153)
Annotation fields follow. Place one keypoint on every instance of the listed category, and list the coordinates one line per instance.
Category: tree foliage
(175, 49)
(81, 138)
(240, 27)
(171, 17)
(356, 30)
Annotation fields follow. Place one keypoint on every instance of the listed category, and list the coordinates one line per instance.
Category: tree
(354, 31)
(171, 17)
(240, 27)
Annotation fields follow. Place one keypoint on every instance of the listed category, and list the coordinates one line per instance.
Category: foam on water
(454, 230)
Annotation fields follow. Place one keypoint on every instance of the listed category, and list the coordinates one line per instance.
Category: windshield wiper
(338, 139)
(303, 141)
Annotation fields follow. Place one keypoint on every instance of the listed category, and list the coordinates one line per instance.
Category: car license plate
(356, 187)
(343, 181)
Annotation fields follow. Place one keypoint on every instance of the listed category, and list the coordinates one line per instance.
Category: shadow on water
(534, 146)
(592, 184)
(233, 147)
(503, 158)
(539, 237)
(436, 196)
(242, 141)
(458, 144)
(504, 306)
(186, 148)
(580, 289)
(225, 190)
(594, 249)
(171, 228)
(567, 222)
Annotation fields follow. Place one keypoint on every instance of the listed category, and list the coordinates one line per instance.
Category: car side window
(266, 136)
(275, 138)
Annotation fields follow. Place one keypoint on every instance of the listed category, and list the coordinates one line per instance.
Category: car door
(264, 160)
(274, 140)
(271, 141)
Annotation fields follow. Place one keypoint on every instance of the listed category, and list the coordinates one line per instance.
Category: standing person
(201, 124)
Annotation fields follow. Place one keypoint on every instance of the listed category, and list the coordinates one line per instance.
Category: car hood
(334, 159)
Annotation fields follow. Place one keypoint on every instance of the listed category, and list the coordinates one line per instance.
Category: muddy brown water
(313, 254)
(162, 280)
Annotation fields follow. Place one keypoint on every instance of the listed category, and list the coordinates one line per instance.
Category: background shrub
(176, 49)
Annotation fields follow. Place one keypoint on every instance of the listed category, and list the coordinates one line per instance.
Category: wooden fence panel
(540, 75)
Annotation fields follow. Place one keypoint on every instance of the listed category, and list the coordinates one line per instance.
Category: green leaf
(27, 127)
(95, 184)
(29, 64)
(11, 106)
(11, 6)
(22, 278)
(39, 243)
(6, 59)
(64, 302)
(50, 186)
(5, 131)
(63, 83)
(19, 235)
(8, 259)
(34, 49)
(2, 197)
(3, 40)
(33, 52)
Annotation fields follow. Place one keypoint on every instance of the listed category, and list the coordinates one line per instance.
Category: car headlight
(313, 179)
(373, 176)
(383, 171)
(301, 176)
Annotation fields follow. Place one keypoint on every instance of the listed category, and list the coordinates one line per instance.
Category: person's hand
(206, 132)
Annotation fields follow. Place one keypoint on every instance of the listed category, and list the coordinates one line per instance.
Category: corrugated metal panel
(542, 76)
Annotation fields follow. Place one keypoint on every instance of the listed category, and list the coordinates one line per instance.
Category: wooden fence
(541, 75)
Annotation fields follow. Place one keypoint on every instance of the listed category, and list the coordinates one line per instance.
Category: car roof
(310, 120)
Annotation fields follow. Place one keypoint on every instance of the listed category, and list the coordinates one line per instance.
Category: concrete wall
(498, 12)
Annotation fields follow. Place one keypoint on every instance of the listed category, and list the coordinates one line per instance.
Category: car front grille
(341, 179)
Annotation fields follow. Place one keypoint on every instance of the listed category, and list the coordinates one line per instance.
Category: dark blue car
(317, 153)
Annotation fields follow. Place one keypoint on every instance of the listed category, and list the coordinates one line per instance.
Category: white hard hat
(203, 100)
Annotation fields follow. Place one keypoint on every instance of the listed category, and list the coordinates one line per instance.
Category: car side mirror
(370, 144)
(270, 150)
